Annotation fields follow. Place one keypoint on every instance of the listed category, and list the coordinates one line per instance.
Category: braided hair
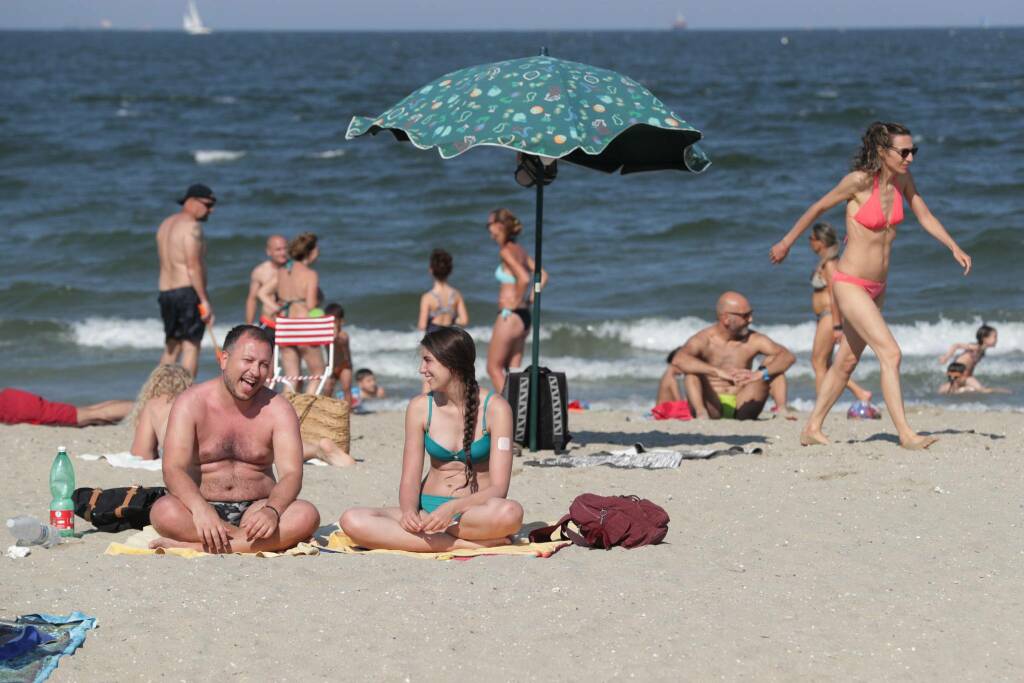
(455, 350)
(878, 136)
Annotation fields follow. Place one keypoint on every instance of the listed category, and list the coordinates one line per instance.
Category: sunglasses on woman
(905, 152)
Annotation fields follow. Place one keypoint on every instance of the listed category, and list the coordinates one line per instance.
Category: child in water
(965, 358)
(366, 385)
(961, 383)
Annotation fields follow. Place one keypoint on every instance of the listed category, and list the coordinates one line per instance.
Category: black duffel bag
(117, 509)
(553, 412)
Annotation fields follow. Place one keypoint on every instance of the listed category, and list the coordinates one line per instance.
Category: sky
(433, 15)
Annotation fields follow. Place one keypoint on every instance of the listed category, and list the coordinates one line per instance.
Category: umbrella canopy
(548, 107)
(544, 108)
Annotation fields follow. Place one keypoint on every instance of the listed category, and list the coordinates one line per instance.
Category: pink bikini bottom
(873, 288)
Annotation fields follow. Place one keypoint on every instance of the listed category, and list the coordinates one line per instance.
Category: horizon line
(648, 29)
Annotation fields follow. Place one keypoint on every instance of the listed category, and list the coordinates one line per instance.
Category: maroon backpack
(608, 521)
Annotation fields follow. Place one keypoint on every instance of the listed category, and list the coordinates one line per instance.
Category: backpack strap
(129, 494)
(522, 408)
(557, 427)
(544, 534)
(92, 504)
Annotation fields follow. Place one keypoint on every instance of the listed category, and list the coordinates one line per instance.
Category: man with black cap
(184, 304)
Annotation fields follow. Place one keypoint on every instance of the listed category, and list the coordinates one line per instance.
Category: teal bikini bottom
(429, 503)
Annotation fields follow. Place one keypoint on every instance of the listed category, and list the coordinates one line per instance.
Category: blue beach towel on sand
(31, 645)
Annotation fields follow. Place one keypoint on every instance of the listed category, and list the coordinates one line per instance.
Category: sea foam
(328, 154)
(216, 156)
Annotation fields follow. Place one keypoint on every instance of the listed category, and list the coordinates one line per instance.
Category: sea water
(101, 131)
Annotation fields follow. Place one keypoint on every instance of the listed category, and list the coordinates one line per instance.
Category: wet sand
(853, 561)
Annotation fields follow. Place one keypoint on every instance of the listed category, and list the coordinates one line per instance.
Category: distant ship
(680, 23)
(192, 23)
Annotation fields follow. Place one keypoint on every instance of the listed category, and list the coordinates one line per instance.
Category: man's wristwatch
(765, 375)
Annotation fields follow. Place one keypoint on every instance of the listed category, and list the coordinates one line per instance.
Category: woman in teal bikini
(461, 503)
(515, 278)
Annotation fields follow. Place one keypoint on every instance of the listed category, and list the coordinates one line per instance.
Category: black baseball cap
(199, 191)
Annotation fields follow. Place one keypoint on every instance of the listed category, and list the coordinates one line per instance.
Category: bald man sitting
(718, 361)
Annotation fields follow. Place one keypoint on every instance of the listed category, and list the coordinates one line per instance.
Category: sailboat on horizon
(680, 23)
(193, 23)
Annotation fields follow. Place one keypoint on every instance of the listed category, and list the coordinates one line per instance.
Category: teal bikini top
(478, 450)
(503, 276)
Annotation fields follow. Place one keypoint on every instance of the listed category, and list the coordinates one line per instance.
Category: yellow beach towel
(339, 542)
(138, 544)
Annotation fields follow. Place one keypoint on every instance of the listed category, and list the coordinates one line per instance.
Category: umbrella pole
(535, 350)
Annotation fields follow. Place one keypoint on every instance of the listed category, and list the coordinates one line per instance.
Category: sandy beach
(856, 561)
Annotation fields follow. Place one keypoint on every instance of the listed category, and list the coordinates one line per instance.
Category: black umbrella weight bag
(553, 413)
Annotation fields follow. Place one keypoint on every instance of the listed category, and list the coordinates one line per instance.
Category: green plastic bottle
(62, 485)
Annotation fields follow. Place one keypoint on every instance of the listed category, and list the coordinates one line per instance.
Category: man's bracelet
(271, 507)
(837, 327)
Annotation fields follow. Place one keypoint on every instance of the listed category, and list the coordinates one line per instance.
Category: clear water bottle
(30, 531)
(62, 485)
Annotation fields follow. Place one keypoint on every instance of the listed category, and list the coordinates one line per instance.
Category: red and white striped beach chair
(303, 332)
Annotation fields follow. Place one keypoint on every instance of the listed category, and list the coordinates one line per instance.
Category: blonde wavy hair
(165, 380)
(509, 223)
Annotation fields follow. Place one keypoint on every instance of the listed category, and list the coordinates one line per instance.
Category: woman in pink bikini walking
(874, 192)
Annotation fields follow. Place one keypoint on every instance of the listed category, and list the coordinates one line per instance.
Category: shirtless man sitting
(224, 437)
(717, 362)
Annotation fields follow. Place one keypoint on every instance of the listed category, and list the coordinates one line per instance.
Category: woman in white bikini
(442, 305)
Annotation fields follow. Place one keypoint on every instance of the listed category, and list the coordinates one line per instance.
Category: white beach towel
(125, 459)
(638, 456)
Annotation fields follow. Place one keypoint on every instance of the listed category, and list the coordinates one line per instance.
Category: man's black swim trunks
(180, 310)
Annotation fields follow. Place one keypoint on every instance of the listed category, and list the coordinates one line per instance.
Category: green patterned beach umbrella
(547, 107)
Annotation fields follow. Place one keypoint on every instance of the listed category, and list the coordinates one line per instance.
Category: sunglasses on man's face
(905, 152)
(207, 203)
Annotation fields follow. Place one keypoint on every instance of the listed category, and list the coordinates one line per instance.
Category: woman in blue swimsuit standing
(515, 277)
(461, 503)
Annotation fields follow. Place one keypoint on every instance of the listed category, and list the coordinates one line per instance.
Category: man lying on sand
(224, 437)
(717, 360)
(20, 407)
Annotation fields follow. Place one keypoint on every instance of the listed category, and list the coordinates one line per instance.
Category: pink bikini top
(870, 213)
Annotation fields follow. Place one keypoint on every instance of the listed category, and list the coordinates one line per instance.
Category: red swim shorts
(17, 406)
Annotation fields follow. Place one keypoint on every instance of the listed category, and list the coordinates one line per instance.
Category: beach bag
(117, 509)
(553, 412)
(608, 521)
(322, 417)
